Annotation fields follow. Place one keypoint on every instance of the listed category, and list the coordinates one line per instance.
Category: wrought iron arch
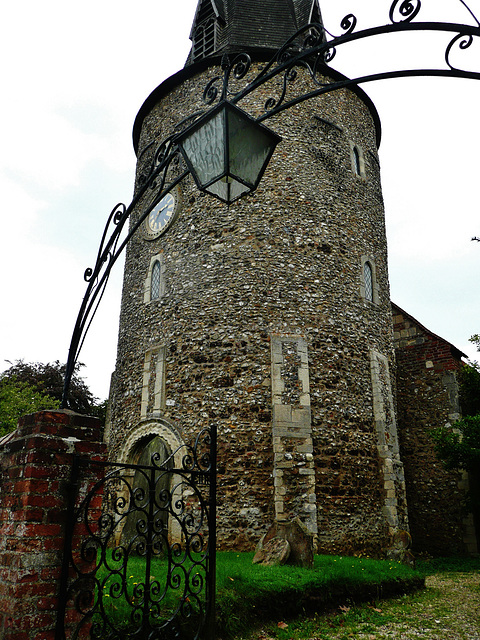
(319, 48)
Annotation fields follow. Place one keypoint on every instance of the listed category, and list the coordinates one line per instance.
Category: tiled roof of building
(398, 311)
(252, 25)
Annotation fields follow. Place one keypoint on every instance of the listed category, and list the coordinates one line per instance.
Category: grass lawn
(125, 598)
(446, 610)
(251, 595)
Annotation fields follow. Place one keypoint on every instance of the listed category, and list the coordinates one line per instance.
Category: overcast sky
(74, 77)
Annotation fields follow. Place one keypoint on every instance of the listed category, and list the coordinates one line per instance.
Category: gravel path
(448, 608)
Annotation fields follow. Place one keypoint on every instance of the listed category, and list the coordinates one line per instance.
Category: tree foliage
(46, 380)
(458, 445)
(469, 380)
(18, 399)
(475, 339)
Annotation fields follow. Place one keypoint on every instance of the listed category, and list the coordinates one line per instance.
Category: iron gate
(139, 559)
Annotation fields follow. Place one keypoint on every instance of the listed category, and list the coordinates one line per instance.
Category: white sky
(73, 79)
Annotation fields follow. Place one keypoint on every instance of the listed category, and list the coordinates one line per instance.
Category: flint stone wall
(285, 261)
(427, 395)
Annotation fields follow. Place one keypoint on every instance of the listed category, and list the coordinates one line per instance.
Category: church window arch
(368, 280)
(356, 160)
(155, 284)
(155, 281)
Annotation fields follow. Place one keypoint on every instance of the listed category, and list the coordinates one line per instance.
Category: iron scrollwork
(313, 47)
(166, 160)
(217, 89)
(406, 10)
(140, 555)
(462, 41)
(310, 49)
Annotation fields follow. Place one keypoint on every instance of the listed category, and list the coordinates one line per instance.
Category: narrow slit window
(356, 161)
(368, 278)
(155, 282)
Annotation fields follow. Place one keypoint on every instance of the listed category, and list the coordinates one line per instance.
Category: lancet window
(156, 279)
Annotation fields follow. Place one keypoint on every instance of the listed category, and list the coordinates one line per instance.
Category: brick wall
(427, 397)
(35, 467)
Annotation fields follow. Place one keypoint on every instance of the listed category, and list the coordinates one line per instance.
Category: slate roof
(255, 25)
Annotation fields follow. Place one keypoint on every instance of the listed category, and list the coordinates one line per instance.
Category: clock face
(161, 216)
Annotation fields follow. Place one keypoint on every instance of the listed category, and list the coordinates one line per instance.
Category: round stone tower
(270, 317)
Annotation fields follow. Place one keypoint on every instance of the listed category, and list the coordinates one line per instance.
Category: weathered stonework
(293, 462)
(286, 261)
(395, 508)
(427, 397)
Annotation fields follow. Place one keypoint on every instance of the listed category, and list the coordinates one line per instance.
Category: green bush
(458, 447)
(18, 399)
(469, 379)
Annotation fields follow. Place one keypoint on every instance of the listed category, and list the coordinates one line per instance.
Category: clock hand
(159, 213)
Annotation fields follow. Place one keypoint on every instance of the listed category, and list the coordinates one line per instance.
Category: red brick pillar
(35, 467)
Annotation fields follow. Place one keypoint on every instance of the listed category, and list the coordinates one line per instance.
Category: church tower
(270, 317)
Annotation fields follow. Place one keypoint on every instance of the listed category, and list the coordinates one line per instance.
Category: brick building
(427, 396)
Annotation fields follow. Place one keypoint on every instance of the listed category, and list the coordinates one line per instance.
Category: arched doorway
(153, 576)
(150, 495)
(162, 440)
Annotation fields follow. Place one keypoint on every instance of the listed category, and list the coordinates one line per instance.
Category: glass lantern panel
(228, 189)
(250, 148)
(205, 150)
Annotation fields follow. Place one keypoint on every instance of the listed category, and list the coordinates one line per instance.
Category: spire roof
(232, 26)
